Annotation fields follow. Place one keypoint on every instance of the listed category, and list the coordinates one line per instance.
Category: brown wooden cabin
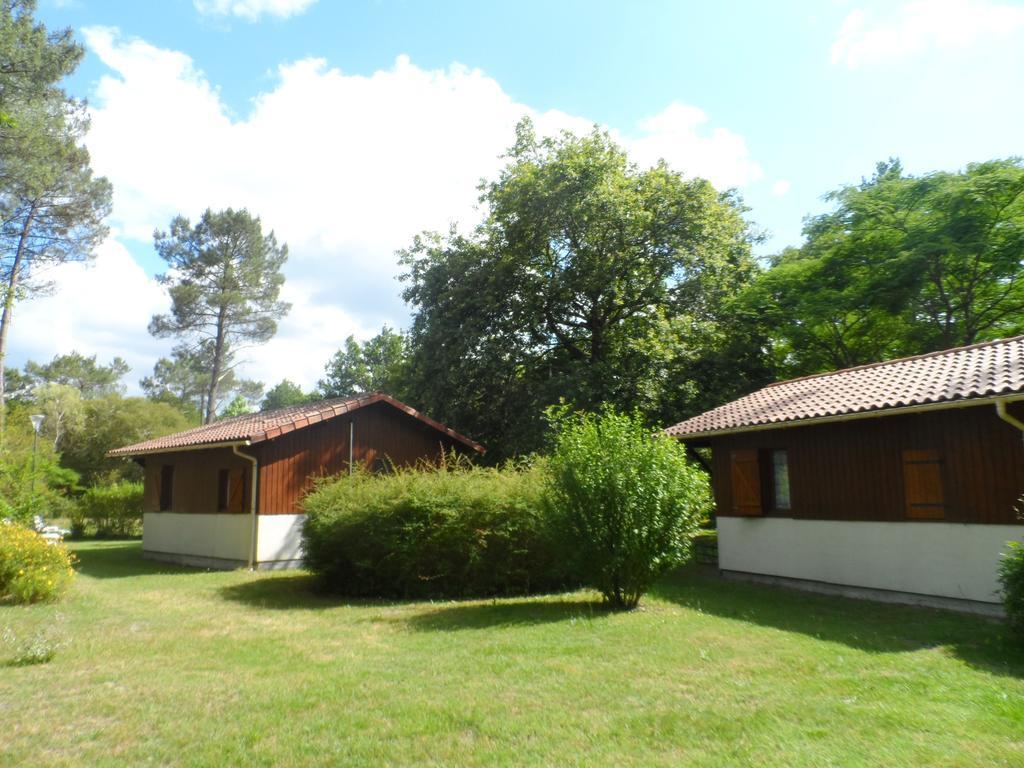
(229, 493)
(898, 480)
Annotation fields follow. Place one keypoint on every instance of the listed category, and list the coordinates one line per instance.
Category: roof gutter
(1005, 416)
(254, 529)
(178, 449)
(875, 414)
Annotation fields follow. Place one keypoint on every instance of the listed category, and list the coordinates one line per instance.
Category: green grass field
(182, 667)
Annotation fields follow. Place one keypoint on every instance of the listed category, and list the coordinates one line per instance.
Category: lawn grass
(173, 667)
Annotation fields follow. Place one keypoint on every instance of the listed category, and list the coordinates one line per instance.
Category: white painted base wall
(222, 540)
(952, 560)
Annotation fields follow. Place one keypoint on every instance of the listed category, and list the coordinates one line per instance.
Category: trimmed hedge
(109, 510)
(32, 570)
(433, 532)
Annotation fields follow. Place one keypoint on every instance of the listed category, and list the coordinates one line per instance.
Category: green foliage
(110, 422)
(377, 365)
(591, 280)
(1011, 576)
(903, 265)
(225, 280)
(238, 406)
(32, 482)
(83, 373)
(628, 503)
(448, 531)
(109, 510)
(51, 206)
(284, 394)
(31, 569)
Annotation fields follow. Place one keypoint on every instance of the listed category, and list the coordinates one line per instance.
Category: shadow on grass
(299, 591)
(287, 591)
(119, 559)
(515, 612)
(862, 624)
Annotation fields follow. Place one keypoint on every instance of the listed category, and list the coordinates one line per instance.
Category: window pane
(780, 477)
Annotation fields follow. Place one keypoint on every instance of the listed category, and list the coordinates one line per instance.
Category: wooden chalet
(898, 480)
(229, 494)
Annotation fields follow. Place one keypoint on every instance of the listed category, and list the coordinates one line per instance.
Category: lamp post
(37, 424)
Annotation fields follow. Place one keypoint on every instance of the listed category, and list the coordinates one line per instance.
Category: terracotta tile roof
(977, 371)
(256, 427)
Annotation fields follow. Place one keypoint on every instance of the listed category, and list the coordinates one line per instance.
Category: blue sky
(390, 110)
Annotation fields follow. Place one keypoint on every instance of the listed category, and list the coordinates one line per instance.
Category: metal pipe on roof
(254, 535)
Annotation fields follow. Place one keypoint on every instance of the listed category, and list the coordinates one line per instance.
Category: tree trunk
(218, 354)
(8, 312)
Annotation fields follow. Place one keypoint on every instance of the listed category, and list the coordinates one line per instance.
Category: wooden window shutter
(746, 483)
(236, 490)
(922, 485)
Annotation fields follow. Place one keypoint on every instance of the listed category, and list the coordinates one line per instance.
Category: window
(922, 485)
(780, 480)
(745, 474)
(231, 490)
(166, 487)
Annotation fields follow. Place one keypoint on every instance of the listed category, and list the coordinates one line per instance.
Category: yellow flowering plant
(32, 570)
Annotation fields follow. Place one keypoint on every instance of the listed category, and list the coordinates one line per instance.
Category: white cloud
(252, 10)
(780, 187)
(676, 135)
(917, 27)
(100, 309)
(345, 168)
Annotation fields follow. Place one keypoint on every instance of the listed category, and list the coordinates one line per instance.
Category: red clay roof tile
(256, 427)
(981, 370)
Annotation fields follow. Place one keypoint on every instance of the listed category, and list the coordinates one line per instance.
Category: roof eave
(127, 453)
(945, 405)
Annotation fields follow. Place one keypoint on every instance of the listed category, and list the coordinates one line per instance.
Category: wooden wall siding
(196, 474)
(290, 463)
(854, 470)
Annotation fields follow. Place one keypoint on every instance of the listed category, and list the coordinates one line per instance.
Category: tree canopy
(589, 280)
(378, 364)
(225, 281)
(903, 265)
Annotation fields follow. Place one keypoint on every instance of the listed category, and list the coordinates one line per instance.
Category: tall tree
(51, 206)
(377, 365)
(83, 373)
(589, 280)
(182, 380)
(225, 281)
(903, 265)
(286, 393)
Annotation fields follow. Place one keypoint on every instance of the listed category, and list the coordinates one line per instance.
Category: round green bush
(32, 569)
(628, 502)
(1011, 575)
(433, 532)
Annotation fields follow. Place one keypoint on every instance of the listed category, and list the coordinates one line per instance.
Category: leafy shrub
(1011, 575)
(627, 502)
(449, 531)
(109, 510)
(31, 569)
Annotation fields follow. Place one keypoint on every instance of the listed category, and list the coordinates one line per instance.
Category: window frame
(165, 500)
(771, 482)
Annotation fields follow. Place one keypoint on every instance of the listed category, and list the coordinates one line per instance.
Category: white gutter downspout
(1005, 416)
(252, 504)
